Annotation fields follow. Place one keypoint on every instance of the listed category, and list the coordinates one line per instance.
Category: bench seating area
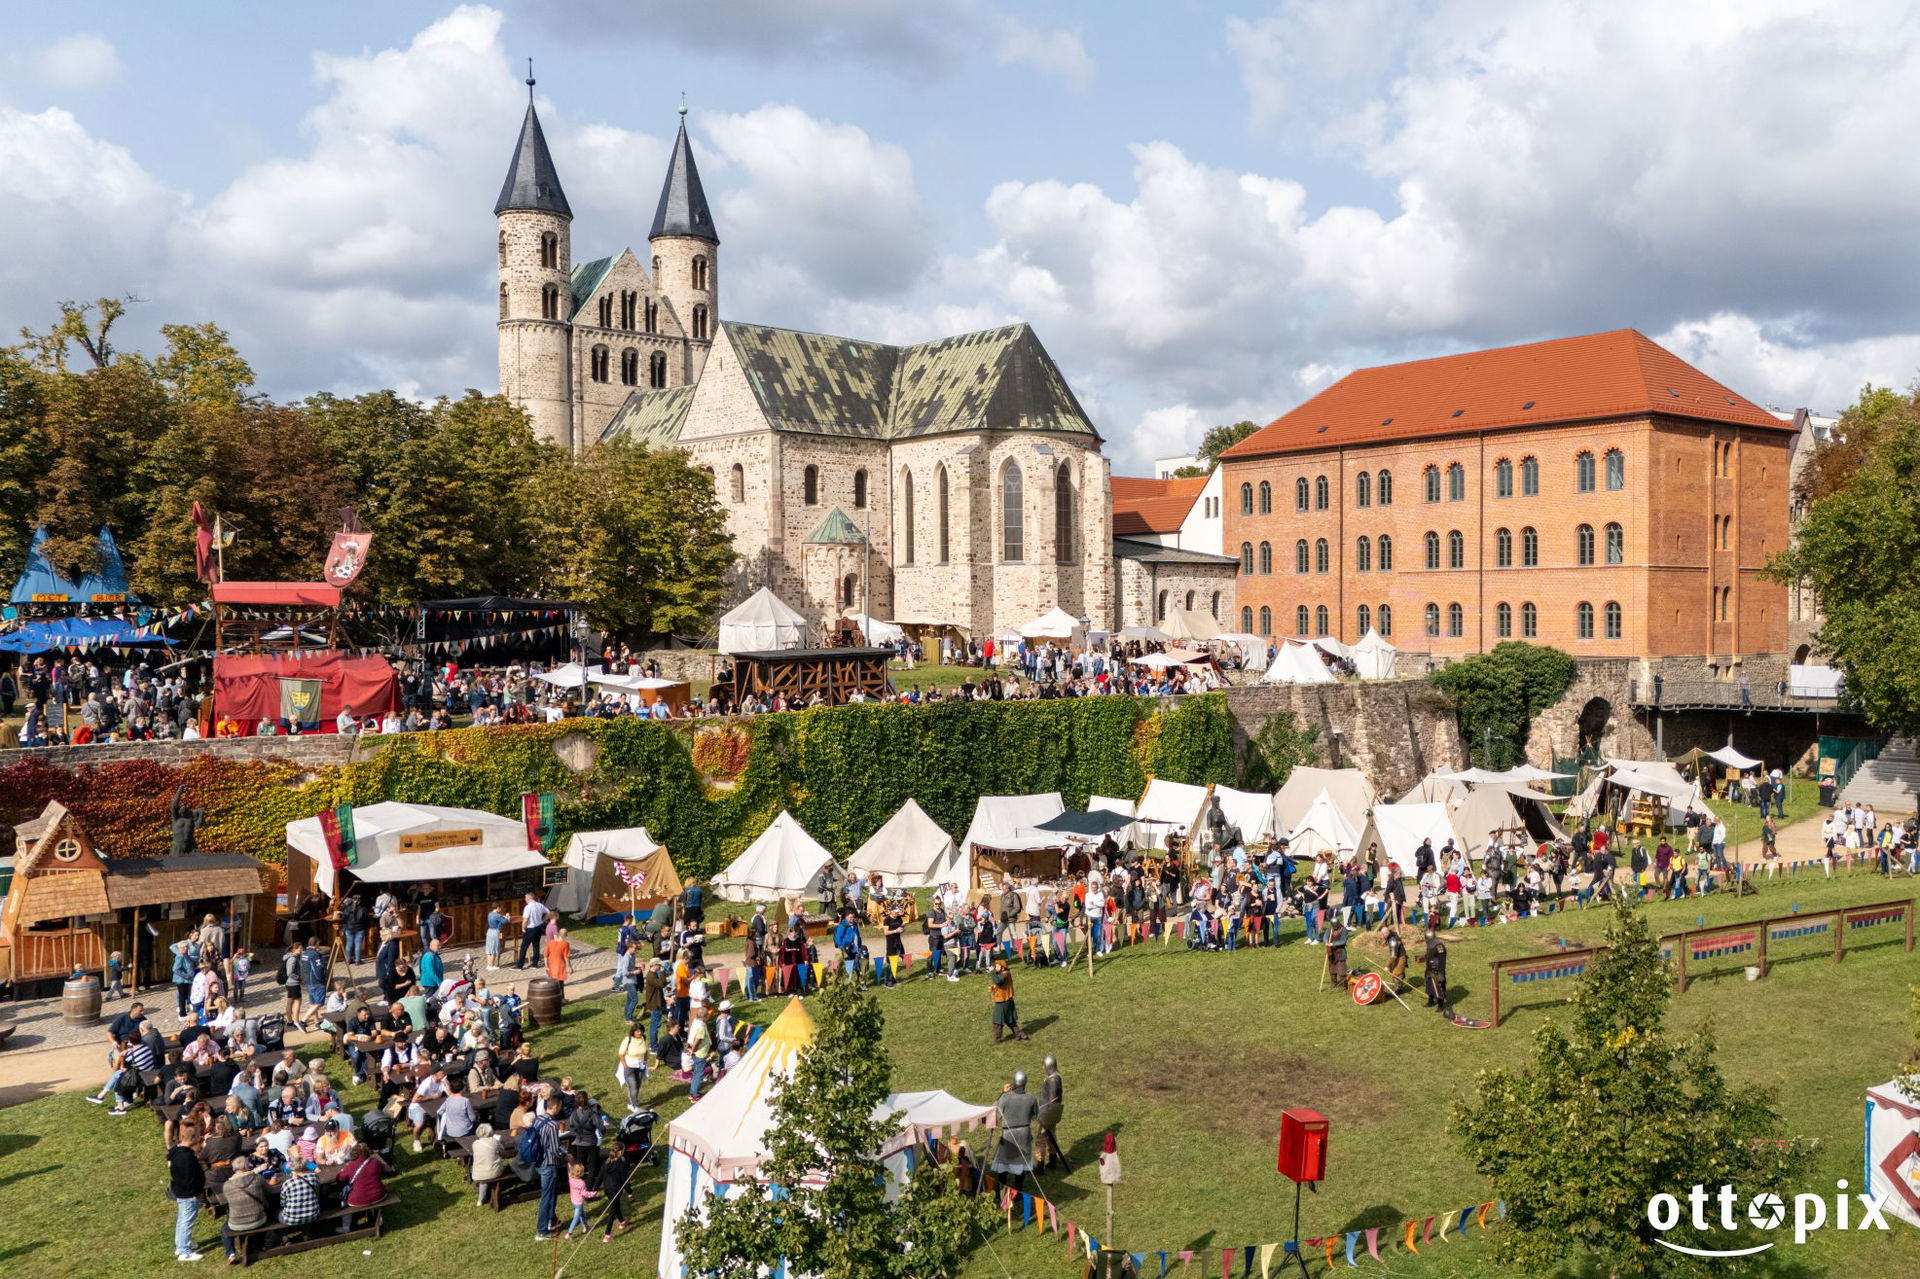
(276, 1240)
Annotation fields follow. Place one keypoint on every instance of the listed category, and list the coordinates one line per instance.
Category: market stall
(610, 872)
(785, 862)
(1004, 840)
(909, 851)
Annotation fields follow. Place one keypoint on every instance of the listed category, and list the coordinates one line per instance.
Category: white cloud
(79, 61)
(1793, 368)
(1058, 52)
(1293, 57)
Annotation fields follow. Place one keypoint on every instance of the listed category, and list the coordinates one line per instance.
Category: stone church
(957, 481)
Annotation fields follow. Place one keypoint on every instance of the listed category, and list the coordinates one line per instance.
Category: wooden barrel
(544, 996)
(80, 1001)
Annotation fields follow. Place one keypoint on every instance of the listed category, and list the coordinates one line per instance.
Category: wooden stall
(801, 674)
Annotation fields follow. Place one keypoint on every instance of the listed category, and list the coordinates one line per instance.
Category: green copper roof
(837, 530)
(586, 281)
(652, 417)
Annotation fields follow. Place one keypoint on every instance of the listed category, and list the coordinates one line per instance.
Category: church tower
(536, 298)
(686, 262)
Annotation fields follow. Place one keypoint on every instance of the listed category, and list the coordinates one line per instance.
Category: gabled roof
(532, 181)
(586, 281)
(1142, 505)
(683, 202)
(837, 530)
(994, 380)
(1153, 553)
(1577, 379)
(651, 417)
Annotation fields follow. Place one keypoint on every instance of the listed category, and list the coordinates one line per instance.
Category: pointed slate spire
(532, 182)
(683, 204)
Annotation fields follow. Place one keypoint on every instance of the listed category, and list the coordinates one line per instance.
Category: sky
(1207, 212)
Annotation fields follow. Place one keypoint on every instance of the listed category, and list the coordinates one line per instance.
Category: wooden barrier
(1750, 937)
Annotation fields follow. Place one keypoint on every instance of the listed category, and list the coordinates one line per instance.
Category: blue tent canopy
(76, 632)
(40, 583)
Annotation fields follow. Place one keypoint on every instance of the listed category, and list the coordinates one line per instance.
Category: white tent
(1055, 624)
(784, 862)
(1352, 794)
(764, 623)
(1328, 644)
(1733, 758)
(1189, 624)
(876, 631)
(1158, 661)
(1373, 657)
(1400, 828)
(1108, 804)
(1640, 776)
(590, 858)
(1297, 664)
(1324, 829)
(1814, 681)
(571, 675)
(721, 1140)
(1253, 648)
(1251, 811)
(1144, 633)
(1439, 787)
(1007, 822)
(401, 843)
(1893, 1150)
(1167, 809)
(1483, 812)
(910, 851)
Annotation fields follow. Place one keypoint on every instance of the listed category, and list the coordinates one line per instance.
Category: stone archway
(1801, 654)
(1594, 730)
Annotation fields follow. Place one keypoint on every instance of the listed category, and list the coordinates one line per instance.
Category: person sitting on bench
(249, 1202)
(362, 1179)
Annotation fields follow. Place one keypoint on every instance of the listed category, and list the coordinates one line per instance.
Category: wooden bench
(271, 1239)
(505, 1187)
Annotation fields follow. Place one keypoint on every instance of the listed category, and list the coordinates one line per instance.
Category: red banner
(347, 558)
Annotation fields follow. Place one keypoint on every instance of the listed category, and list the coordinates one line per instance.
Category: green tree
(22, 455)
(833, 1219)
(96, 426)
(83, 324)
(1611, 1112)
(1281, 745)
(1496, 694)
(1858, 547)
(636, 536)
(1218, 441)
(201, 366)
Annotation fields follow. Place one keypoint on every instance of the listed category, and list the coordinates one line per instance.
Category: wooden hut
(69, 905)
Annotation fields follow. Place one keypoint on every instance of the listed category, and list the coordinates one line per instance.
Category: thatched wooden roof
(149, 881)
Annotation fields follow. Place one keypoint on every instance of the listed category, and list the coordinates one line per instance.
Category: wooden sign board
(552, 876)
(434, 840)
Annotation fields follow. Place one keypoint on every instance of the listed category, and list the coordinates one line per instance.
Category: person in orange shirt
(559, 956)
(682, 985)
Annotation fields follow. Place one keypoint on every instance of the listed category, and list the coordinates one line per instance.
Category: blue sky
(1207, 211)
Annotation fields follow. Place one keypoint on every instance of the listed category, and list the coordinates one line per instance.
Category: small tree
(1281, 745)
(1496, 694)
(1613, 1112)
(841, 1227)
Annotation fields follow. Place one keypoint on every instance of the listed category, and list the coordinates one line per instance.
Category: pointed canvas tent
(1253, 648)
(784, 862)
(1004, 831)
(1399, 829)
(40, 583)
(594, 885)
(1373, 657)
(910, 851)
(1480, 813)
(1328, 644)
(1352, 794)
(721, 1140)
(875, 631)
(1436, 788)
(1297, 664)
(1189, 624)
(1323, 829)
(1056, 624)
(763, 624)
(1167, 809)
(1251, 811)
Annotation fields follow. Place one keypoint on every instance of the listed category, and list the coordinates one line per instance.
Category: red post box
(1303, 1145)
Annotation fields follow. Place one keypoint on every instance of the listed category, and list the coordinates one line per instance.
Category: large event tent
(594, 885)
(1399, 830)
(721, 1140)
(1055, 624)
(910, 851)
(1373, 657)
(1165, 810)
(1189, 624)
(1323, 829)
(401, 843)
(1349, 789)
(1005, 830)
(784, 862)
(1297, 664)
(763, 624)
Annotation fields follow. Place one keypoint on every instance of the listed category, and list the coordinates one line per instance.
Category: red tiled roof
(1152, 506)
(1601, 375)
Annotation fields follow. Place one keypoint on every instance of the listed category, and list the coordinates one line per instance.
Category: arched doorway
(1594, 730)
(1801, 654)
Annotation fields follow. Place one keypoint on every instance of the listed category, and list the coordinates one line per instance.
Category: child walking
(578, 1193)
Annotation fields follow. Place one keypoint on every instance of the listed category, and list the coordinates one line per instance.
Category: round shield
(1366, 988)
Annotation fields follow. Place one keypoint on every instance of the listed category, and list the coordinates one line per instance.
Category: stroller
(377, 1131)
(636, 1137)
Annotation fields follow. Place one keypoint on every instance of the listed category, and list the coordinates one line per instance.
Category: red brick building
(1596, 493)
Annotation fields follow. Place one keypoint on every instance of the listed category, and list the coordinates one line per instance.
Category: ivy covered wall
(704, 790)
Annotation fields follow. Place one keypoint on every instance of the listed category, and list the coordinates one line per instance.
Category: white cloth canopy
(1892, 1164)
(876, 631)
(784, 862)
(1158, 661)
(1814, 681)
(1167, 808)
(1109, 804)
(1253, 648)
(1056, 623)
(631, 683)
(1144, 633)
(572, 675)
(1328, 644)
(910, 851)
(1352, 794)
(397, 843)
(1487, 811)
(585, 851)
(1190, 624)
(1733, 758)
(1297, 664)
(1007, 822)
(1439, 787)
(1399, 829)
(764, 623)
(1373, 657)
(1251, 811)
(1323, 829)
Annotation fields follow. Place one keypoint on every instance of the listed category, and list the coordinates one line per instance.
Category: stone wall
(1396, 731)
(313, 750)
(1138, 585)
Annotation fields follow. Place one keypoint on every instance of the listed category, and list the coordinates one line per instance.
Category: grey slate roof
(1152, 553)
(532, 181)
(683, 203)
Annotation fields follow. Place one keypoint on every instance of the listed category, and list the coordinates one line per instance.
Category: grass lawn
(1743, 820)
(1189, 1058)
